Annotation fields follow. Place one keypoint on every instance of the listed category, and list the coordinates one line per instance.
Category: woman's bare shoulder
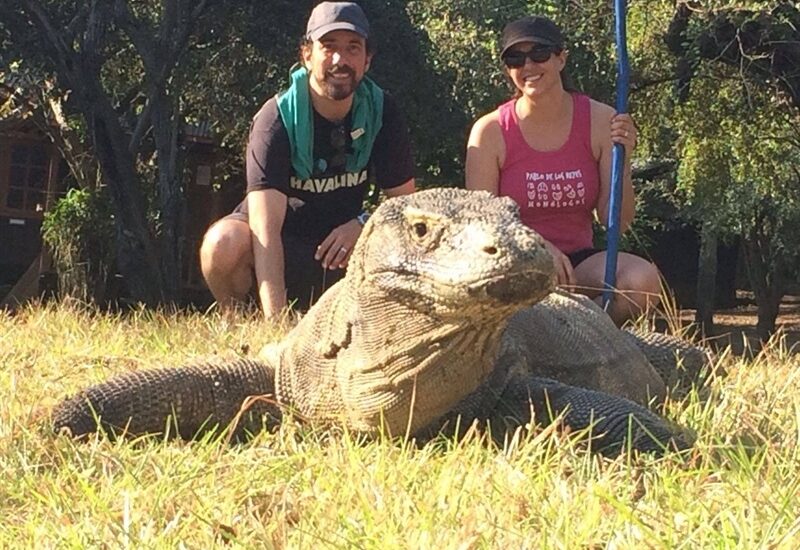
(487, 126)
(600, 110)
(489, 119)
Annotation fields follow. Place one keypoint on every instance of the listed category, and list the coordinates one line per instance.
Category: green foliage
(740, 159)
(79, 232)
(734, 136)
(235, 64)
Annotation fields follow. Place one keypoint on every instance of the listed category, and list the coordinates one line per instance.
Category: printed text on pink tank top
(555, 189)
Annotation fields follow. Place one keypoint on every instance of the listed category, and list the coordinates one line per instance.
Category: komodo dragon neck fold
(367, 375)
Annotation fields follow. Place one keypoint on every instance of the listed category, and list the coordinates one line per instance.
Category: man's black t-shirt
(331, 196)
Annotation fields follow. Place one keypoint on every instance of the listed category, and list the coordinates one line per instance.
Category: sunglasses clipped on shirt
(516, 59)
(339, 144)
(338, 159)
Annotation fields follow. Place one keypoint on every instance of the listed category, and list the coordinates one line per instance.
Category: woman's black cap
(535, 28)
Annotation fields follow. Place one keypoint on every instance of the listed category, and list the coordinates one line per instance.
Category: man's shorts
(305, 278)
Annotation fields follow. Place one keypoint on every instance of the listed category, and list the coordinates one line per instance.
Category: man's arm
(266, 213)
(268, 167)
(403, 189)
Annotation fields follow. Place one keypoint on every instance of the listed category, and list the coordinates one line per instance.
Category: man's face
(337, 62)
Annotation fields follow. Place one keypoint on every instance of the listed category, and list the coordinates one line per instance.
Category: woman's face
(535, 69)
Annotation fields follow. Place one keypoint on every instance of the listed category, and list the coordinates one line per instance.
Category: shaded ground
(737, 327)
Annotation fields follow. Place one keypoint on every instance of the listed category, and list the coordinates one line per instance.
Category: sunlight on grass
(306, 488)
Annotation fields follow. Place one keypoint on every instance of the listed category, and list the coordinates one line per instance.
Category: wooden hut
(33, 175)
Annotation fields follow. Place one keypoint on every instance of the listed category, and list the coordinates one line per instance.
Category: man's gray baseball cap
(336, 16)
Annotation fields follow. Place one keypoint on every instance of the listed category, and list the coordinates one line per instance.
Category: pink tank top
(556, 190)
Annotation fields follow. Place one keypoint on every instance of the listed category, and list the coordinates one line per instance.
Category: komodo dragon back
(410, 337)
(568, 338)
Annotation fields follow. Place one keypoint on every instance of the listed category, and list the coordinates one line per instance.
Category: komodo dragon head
(415, 325)
(451, 252)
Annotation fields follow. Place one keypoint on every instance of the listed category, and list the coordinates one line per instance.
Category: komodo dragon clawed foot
(415, 328)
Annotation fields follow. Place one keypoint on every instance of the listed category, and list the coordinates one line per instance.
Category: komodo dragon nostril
(490, 250)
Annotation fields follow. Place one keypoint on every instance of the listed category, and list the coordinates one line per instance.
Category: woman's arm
(609, 128)
(485, 154)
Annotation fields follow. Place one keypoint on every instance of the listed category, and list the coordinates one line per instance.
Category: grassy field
(299, 488)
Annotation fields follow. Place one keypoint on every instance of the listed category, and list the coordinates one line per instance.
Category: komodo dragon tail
(680, 363)
(186, 401)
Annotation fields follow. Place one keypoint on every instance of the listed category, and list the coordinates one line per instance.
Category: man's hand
(564, 273)
(335, 250)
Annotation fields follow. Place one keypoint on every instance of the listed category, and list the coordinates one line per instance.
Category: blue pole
(617, 158)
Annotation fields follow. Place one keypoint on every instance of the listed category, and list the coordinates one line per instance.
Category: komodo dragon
(413, 336)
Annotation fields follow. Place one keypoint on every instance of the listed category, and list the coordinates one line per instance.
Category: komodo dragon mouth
(524, 286)
(513, 287)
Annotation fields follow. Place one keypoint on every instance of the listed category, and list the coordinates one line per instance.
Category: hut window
(27, 181)
(203, 175)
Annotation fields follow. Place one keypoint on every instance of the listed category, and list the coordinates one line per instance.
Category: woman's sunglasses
(516, 59)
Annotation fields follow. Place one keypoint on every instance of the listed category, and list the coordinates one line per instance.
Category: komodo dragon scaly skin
(412, 336)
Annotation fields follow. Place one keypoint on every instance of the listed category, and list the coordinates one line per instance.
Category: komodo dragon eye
(424, 227)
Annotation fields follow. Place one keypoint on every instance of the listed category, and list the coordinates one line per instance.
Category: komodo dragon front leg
(514, 398)
(616, 423)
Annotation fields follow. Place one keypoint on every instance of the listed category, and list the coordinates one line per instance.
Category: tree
(741, 121)
(716, 92)
(761, 43)
(87, 47)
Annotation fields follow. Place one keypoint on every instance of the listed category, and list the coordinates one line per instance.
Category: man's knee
(225, 247)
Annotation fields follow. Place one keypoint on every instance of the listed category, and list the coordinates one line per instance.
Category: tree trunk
(768, 311)
(706, 279)
(137, 258)
(78, 54)
(166, 128)
(766, 278)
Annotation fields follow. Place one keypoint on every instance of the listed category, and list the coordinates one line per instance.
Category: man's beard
(338, 90)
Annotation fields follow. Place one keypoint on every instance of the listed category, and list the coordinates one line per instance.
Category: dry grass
(301, 488)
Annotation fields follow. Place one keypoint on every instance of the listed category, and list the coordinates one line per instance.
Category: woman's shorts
(580, 255)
